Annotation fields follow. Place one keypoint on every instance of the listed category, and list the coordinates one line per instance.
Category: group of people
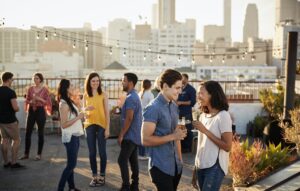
(149, 128)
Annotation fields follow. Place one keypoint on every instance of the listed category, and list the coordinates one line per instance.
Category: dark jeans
(210, 179)
(129, 153)
(39, 117)
(95, 133)
(186, 144)
(164, 181)
(142, 151)
(68, 174)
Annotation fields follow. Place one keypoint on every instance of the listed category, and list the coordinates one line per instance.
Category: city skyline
(73, 14)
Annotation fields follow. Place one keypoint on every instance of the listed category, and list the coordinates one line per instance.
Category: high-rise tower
(251, 22)
(166, 12)
(227, 20)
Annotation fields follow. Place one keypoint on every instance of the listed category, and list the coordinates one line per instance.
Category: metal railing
(234, 90)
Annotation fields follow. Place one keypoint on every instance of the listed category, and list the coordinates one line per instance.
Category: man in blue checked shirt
(162, 136)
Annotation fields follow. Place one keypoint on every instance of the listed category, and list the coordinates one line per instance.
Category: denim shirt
(165, 116)
(133, 102)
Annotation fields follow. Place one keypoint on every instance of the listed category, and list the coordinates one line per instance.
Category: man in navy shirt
(185, 102)
(130, 135)
(161, 134)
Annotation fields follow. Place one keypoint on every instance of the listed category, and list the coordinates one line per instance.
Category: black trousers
(129, 152)
(39, 117)
(163, 181)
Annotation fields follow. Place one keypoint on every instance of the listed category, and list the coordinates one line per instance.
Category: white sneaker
(142, 158)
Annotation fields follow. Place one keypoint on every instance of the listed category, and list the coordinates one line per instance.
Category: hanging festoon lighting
(46, 35)
(118, 44)
(37, 35)
(74, 44)
(86, 46)
(246, 52)
(158, 57)
(243, 56)
(110, 50)
(55, 34)
(211, 59)
(193, 59)
(179, 58)
(252, 57)
(124, 53)
(149, 48)
(223, 59)
(145, 56)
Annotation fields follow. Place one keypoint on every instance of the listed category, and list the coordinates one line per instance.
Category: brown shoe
(24, 157)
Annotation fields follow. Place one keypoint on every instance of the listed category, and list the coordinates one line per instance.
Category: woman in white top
(72, 129)
(214, 136)
(146, 96)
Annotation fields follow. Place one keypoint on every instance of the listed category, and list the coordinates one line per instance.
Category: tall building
(214, 32)
(155, 16)
(251, 23)
(166, 12)
(287, 20)
(227, 20)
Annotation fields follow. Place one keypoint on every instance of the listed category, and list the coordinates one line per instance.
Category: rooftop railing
(235, 91)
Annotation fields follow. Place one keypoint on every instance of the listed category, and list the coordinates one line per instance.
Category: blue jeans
(68, 174)
(210, 179)
(93, 133)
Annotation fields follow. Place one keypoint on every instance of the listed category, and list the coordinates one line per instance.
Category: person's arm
(149, 139)
(14, 104)
(178, 146)
(64, 116)
(107, 115)
(128, 120)
(225, 141)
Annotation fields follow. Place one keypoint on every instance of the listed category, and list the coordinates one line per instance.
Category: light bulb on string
(86, 46)
(179, 58)
(46, 36)
(243, 57)
(210, 60)
(110, 51)
(181, 51)
(223, 60)
(38, 35)
(55, 34)
(118, 44)
(252, 58)
(149, 48)
(193, 59)
(246, 52)
(74, 44)
(144, 56)
(158, 57)
(124, 53)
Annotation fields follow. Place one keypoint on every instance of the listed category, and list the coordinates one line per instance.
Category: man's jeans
(68, 174)
(129, 152)
(210, 179)
(95, 132)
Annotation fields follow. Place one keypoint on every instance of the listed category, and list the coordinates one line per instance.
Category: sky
(74, 13)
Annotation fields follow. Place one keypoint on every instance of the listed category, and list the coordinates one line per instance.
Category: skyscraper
(155, 16)
(286, 11)
(251, 22)
(227, 20)
(166, 12)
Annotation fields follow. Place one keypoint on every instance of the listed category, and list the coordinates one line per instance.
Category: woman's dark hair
(40, 76)
(88, 87)
(146, 85)
(62, 93)
(170, 77)
(218, 98)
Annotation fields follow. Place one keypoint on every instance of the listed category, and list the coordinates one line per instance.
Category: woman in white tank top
(214, 136)
(72, 129)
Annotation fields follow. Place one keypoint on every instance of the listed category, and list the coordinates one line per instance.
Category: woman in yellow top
(96, 125)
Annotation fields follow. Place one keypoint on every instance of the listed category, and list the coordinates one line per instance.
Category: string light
(144, 56)
(179, 58)
(46, 36)
(223, 59)
(158, 57)
(149, 49)
(243, 57)
(54, 34)
(118, 44)
(38, 35)
(193, 59)
(86, 46)
(110, 50)
(252, 58)
(74, 44)
(124, 53)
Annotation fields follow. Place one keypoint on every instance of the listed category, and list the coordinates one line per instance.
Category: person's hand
(179, 134)
(89, 108)
(120, 139)
(194, 179)
(199, 126)
(81, 115)
(106, 133)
